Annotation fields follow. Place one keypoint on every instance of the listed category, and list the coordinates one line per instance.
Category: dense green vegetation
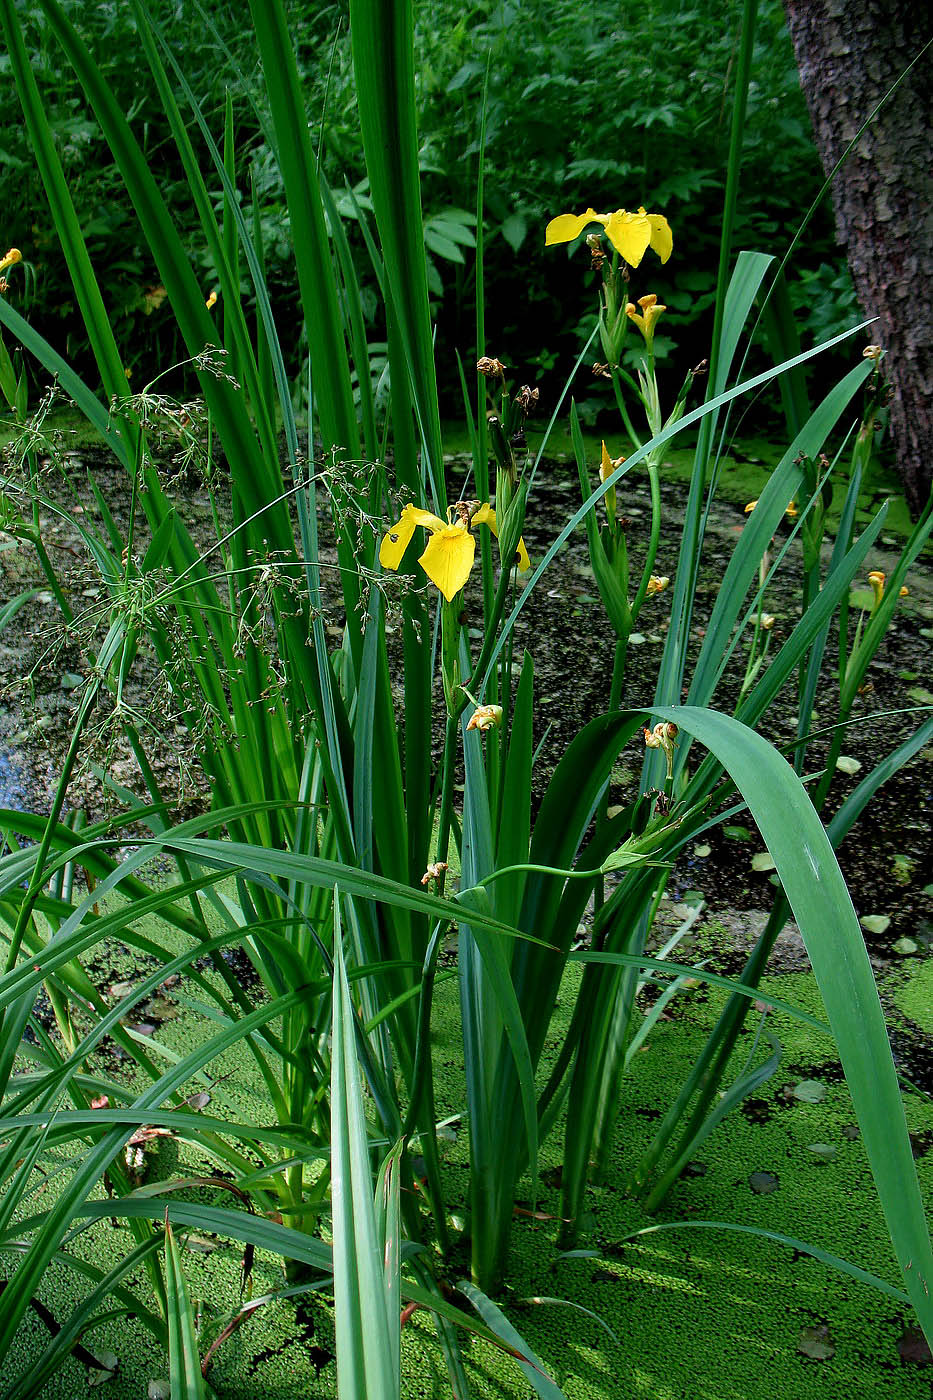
(346, 645)
(601, 105)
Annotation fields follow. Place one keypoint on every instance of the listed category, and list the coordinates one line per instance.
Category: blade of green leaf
(184, 1362)
(829, 927)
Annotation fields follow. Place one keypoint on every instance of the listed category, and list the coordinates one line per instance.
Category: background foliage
(609, 105)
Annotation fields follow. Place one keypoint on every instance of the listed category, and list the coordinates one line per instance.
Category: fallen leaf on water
(201, 1244)
(823, 1151)
(809, 1091)
(161, 1008)
(875, 923)
(847, 765)
(906, 946)
(762, 860)
(816, 1343)
(763, 1183)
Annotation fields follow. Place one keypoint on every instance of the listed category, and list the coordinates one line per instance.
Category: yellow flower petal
(608, 464)
(629, 234)
(427, 519)
(566, 227)
(8, 259)
(662, 240)
(487, 516)
(395, 543)
(448, 559)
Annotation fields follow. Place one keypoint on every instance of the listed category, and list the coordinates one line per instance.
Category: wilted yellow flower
(211, 301)
(8, 259)
(662, 737)
(751, 506)
(434, 871)
(492, 369)
(872, 352)
(651, 310)
(527, 400)
(657, 584)
(630, 234)
(152, 298)
(486, 717)
(448, 555)
(766, 621)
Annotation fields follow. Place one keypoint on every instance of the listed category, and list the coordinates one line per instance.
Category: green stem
(618, 678)
(447, 793)
(617, 375)
(37, 878)
(52, 580)
(653, 539)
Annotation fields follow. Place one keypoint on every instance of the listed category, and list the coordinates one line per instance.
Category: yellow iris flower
(8, 259)
(630, 234)
(450, 550)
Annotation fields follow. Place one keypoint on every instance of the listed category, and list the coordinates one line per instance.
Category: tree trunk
(850, 52)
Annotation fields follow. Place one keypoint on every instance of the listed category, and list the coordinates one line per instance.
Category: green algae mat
(687, 1305)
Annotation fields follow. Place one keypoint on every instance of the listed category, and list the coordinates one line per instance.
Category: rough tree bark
(849, 53)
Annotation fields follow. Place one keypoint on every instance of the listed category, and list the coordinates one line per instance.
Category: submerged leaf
(913, 1347)
(109, 1365)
